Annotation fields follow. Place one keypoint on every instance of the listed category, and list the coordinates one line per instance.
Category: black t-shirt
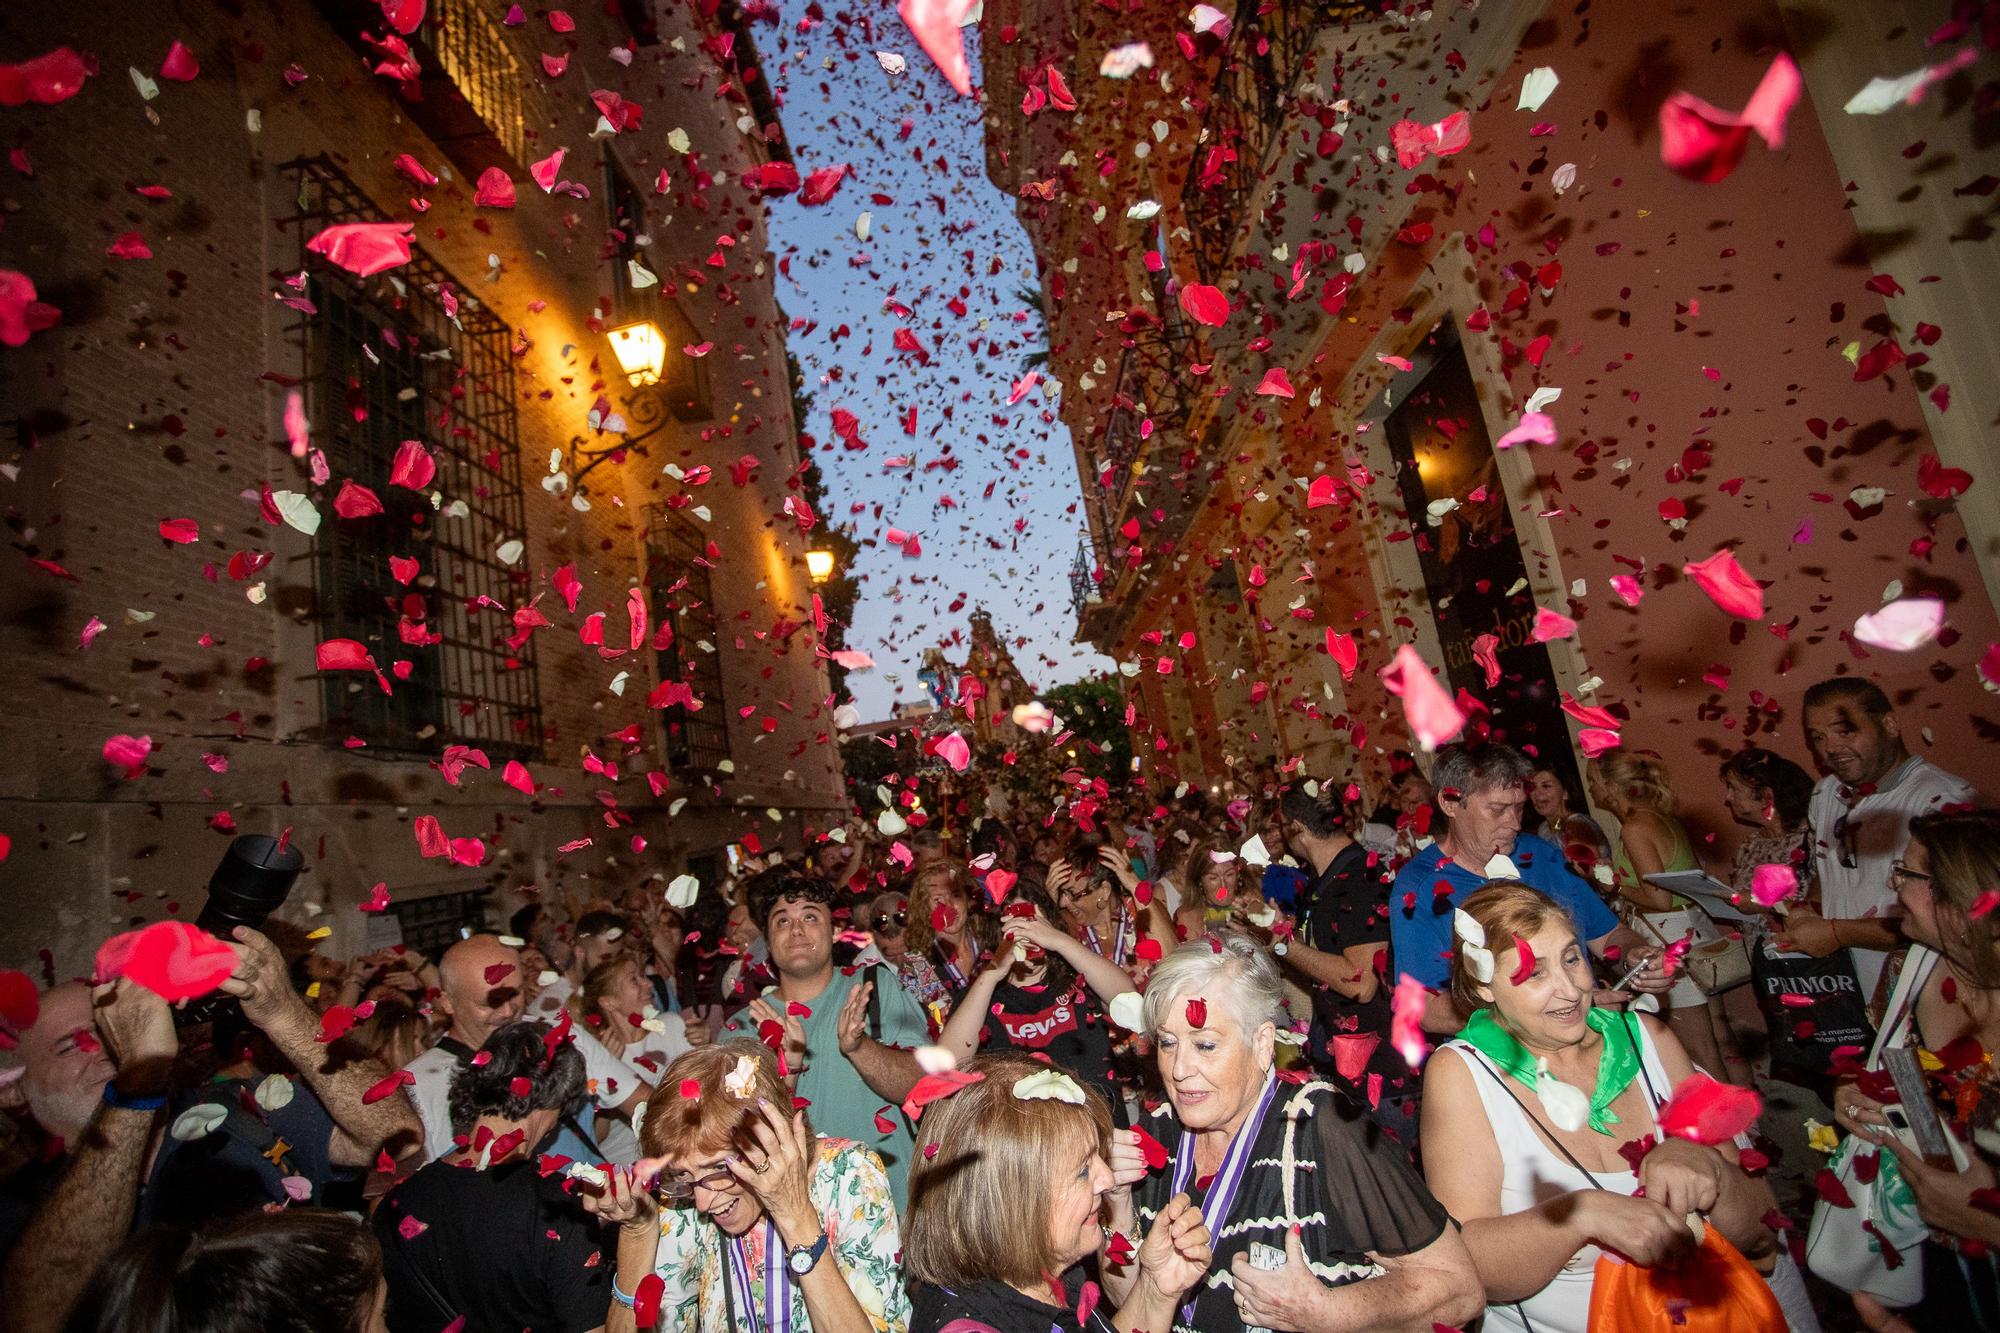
(1068, 1027)
(504, 1248)
(997, 1306)
(1353, 1191)
(1348, 905)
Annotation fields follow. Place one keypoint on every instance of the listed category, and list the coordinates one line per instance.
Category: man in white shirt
(480, 993)
(1860, 817)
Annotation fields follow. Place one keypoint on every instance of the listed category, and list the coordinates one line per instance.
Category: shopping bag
(1715, 1290)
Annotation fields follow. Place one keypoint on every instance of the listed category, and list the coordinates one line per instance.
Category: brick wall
(151, 401)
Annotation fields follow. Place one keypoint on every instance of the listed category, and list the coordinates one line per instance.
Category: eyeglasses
(892, 922)
(1898, 873)
(682, 1187)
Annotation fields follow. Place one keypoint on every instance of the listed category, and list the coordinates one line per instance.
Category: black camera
(254, 879)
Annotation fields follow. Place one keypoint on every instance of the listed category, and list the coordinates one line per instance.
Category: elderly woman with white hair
(1319, 1222)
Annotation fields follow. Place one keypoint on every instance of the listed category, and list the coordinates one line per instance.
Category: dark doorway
(1473, 568)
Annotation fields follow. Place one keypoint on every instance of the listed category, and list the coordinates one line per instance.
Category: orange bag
(1714, 1291)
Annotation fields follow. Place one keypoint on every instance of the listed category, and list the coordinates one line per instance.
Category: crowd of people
(1135, 1061)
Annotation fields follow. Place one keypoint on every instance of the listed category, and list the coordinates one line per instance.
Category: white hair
(1224, 963)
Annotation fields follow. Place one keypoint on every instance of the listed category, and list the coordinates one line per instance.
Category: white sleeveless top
(1533, 1172)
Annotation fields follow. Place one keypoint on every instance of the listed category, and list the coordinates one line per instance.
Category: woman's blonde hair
(1507, 910)
(1640, 776)
(1965, 862)
(394, 1032)
(716, 1118)
(597, 984)
(920, 935)
(982, 1184)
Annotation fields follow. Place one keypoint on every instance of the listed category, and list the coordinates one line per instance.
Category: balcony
(467, 97)
(1249, 104)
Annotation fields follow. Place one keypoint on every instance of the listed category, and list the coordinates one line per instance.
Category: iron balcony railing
(1246, 112)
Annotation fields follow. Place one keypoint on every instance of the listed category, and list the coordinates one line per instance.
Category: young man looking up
(852, 1050)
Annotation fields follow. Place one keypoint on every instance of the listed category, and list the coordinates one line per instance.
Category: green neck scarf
(1616, 1067)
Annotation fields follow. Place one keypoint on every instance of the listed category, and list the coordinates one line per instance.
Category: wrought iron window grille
(386, 359)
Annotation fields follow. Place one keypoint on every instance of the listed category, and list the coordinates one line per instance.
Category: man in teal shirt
(853, 1047)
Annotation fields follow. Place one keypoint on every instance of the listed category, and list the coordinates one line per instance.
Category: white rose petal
(297, 511)
(682, 891)
(890, 62)
(1536, 87)
(198, 1122)
(275, 1092)
(1128, 1011)
(1122, 62)
(1566, 1105)
(509, 552)
(1049, 1085)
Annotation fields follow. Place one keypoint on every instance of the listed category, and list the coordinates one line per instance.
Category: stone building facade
(1321, 468)
(239, 381)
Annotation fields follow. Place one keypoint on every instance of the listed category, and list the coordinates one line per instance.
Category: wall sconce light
(641, 351)
(819, 564)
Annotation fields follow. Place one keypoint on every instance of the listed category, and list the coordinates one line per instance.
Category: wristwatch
(802, 1259)
(1280, 947)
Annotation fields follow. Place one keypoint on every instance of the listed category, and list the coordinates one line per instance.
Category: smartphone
(1916, 1119)
(1264, 1258)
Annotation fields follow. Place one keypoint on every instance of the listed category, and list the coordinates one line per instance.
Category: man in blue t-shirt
(1481, 789)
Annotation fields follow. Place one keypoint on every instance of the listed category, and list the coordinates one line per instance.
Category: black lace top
(1321, 1163)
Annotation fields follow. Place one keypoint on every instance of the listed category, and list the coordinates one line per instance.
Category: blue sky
(991, 490)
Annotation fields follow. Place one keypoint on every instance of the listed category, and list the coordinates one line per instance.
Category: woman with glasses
(1950, 1005)
(752, 1221)
(1098, 893)
(889, 924)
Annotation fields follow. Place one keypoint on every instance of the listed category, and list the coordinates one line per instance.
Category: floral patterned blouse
(851, 1190)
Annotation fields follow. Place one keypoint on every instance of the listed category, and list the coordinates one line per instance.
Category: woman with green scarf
(1532, 1115)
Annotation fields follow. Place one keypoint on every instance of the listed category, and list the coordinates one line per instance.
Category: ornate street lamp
(641, 351)
(819, 564)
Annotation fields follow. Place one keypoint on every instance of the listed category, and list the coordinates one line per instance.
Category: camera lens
(253, 880)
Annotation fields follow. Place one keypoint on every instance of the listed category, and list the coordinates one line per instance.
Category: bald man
(481, 990)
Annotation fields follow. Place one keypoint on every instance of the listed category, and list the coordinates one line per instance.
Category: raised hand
(1176, 1254)
(778, 1170)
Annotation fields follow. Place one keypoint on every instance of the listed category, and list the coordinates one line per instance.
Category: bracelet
(1834, 927)
(629, 1302)
(113, 1097)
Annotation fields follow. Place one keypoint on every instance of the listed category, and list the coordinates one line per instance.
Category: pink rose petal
(1433, 716)
(1727, 585)
(1902, 626)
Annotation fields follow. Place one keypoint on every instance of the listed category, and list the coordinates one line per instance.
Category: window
(467, 96)
(433, 924)
(680, 591)
(683, 379)
(385, 362)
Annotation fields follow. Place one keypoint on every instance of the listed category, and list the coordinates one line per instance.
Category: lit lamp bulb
(819, 564)
(641, 351)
